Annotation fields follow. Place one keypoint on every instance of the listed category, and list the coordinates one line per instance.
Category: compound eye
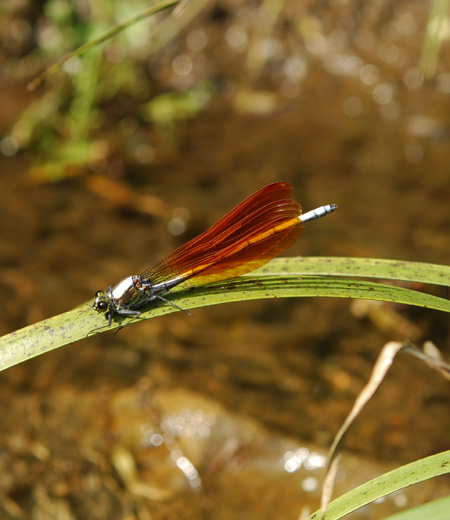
(102, 306)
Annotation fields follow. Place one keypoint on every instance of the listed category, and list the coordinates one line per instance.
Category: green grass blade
(158, 6)
(435, 510)
(435, 36)
(273, 282)
(360, 268)
(386, 484)
(288, 286)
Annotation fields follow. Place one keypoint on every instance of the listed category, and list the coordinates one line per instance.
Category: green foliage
(400, 478)
(282, 277)
(69, 114)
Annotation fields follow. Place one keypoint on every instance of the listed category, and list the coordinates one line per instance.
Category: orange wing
(257, 230)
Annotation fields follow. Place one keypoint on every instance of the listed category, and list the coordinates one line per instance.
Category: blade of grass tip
(382, 365)
(430, 356)
(434, 37)
(436, 510)
(388, 483)
(180, 8)
(360, 268)
(51, 71)
(267, 16)
(171, 26)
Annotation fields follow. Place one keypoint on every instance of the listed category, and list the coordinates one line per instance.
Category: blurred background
(142, 143)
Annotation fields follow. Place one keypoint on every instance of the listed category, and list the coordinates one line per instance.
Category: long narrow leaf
(84, 321)
(386, 484)
(435, 510)
(158, 6)
(360, 268)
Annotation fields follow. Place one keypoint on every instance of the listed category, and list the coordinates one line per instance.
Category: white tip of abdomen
(318, 212)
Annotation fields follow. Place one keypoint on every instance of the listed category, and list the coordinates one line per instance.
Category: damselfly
(254, 232)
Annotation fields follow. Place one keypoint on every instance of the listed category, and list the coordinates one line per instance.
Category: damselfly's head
(101, 302)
